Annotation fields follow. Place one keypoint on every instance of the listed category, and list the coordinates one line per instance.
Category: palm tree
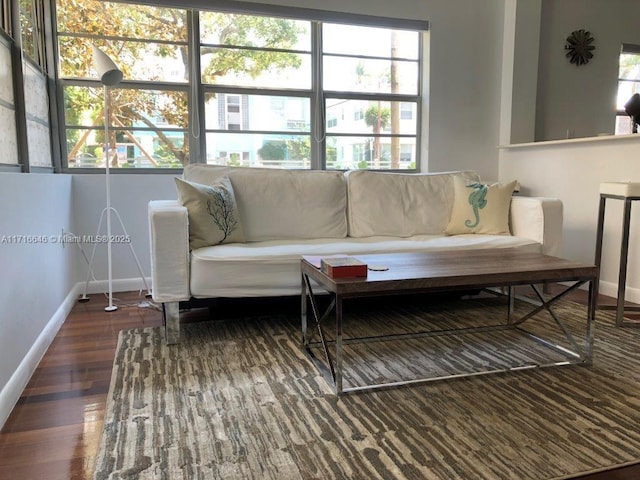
(377, 118)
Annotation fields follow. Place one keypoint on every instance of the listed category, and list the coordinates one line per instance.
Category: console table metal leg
(599, 234)
(619, 306)
(624, 252)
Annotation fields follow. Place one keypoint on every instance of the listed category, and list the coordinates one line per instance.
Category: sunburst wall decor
(579, 47)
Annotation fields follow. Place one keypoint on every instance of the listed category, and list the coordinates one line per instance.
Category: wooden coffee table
(410, 273)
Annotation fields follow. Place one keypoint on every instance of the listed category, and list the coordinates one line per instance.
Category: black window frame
(197, 92)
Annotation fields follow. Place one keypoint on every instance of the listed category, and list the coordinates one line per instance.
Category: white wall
(573, 171)
(582, 99)
(37, 274)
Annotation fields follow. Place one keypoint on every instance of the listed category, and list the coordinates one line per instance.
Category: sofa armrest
(539, 219)
(169, 236)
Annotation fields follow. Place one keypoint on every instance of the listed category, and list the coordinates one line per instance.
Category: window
(372, 78)
(148, 111)
(268, 59)
(5, 16)
(628, 84)
(8, 139)
(32, 29)
(24, 95)
(237, 89)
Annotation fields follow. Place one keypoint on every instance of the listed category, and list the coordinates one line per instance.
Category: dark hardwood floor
(54, 430)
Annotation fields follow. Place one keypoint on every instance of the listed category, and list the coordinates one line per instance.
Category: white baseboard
(611, 289)
(119, 285)
(11, 392)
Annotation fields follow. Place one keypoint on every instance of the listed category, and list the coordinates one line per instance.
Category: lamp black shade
(632, 107)
(109, 73)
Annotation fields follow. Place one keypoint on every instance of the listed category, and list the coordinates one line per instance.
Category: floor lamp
(110, 75)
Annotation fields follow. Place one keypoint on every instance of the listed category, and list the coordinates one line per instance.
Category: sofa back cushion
(276, 204)
(400, 204)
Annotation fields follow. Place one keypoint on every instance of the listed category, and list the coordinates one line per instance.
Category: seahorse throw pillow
(480, 208)
(213, 212)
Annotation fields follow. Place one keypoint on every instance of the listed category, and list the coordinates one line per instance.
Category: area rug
(239, 399)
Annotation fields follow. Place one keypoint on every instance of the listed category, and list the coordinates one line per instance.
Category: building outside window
(237, 89)
(406, 111)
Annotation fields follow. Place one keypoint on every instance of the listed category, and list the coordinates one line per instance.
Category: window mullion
(18, 63)
(318, 112)
(197, 137)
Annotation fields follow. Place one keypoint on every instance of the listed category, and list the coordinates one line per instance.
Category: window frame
(167, 86)
(621, 115)
(26, 66)
(197, 91)
(5, 17)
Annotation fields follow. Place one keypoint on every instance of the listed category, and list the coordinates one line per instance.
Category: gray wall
(130, 194)
(37, 272)
(582, 99)
(465, 70)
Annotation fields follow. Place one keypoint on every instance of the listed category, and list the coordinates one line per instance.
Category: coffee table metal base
(333, 365)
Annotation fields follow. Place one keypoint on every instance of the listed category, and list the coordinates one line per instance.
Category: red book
(341, 267)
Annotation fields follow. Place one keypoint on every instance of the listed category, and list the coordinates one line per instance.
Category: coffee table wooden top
(425, 271)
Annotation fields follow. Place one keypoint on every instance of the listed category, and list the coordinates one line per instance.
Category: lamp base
(110, 307)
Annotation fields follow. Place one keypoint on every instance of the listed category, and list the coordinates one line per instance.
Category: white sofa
(285, 214)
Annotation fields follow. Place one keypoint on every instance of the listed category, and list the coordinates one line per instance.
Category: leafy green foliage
(377, 118)
(630, 66)
(138, 35)
(298, 149)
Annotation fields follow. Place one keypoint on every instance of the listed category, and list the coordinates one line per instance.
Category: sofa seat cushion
(276, 204)
(272, 268)
(400, 204)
